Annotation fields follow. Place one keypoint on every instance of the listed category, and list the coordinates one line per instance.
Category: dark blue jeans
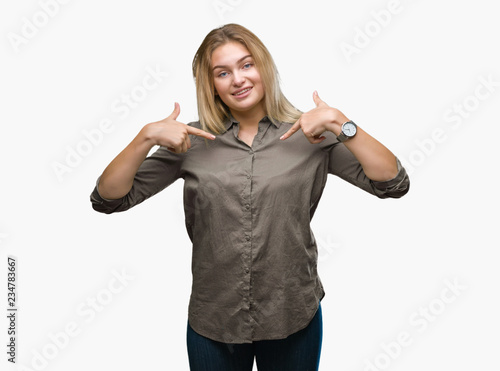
(298, 352)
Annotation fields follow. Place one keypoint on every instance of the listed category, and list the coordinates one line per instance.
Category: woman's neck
(249, 119)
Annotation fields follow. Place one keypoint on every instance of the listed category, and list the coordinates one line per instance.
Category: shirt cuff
(399, 183)
(97, 199)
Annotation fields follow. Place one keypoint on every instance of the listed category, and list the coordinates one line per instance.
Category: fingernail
(212, 136)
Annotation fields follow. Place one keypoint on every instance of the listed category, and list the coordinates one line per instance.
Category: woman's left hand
(317, 121)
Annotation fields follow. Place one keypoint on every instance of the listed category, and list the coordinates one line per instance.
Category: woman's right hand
(173, 134)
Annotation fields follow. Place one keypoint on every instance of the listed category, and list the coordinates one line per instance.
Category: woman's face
(237, 80)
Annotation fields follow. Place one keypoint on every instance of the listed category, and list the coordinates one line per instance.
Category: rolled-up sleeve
(344, 164)
(157, 172)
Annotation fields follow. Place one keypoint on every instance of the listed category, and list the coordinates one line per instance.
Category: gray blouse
(248, 212)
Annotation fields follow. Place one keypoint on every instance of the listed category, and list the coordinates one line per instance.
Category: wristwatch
(347, 131)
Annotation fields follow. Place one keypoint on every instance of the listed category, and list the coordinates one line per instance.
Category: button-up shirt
(247, 212)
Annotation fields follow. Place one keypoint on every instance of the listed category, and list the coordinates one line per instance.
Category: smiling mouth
(241, 92)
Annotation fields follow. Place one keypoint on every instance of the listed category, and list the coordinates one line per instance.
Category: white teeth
(243, 91)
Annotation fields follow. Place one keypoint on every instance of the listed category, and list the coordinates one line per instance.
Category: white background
(381, 261)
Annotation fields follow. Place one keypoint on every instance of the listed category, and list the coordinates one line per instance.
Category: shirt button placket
(247, 211)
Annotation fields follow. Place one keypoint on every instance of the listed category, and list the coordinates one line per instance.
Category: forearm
(378, 162)
(118, 177)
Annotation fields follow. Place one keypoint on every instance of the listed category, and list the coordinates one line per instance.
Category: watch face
(349, 129)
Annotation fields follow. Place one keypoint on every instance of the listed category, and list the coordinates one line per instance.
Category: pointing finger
(199, 132)
(292, 130)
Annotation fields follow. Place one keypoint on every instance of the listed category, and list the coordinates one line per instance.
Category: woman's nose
(238, 79)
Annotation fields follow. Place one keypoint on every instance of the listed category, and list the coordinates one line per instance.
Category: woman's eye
(223, 74)
(247, 65)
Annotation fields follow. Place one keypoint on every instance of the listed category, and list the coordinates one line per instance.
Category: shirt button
(250, 152)
(248, 176)
(247, 238)
(247, 206)
(247, 270)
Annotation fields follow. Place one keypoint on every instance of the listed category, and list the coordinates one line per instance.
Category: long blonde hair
(212, 110)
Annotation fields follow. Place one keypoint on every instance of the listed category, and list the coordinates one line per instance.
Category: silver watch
(347, 131)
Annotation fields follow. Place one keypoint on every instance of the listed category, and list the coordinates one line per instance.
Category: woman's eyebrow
(239, 60)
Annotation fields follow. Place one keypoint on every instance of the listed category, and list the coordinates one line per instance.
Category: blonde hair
(212, 110)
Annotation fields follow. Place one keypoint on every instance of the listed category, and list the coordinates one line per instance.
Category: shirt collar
(231, 120)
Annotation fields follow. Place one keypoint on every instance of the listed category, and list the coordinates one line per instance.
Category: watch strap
(342, 137)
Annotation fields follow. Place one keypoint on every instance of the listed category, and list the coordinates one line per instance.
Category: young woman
(252, 183)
